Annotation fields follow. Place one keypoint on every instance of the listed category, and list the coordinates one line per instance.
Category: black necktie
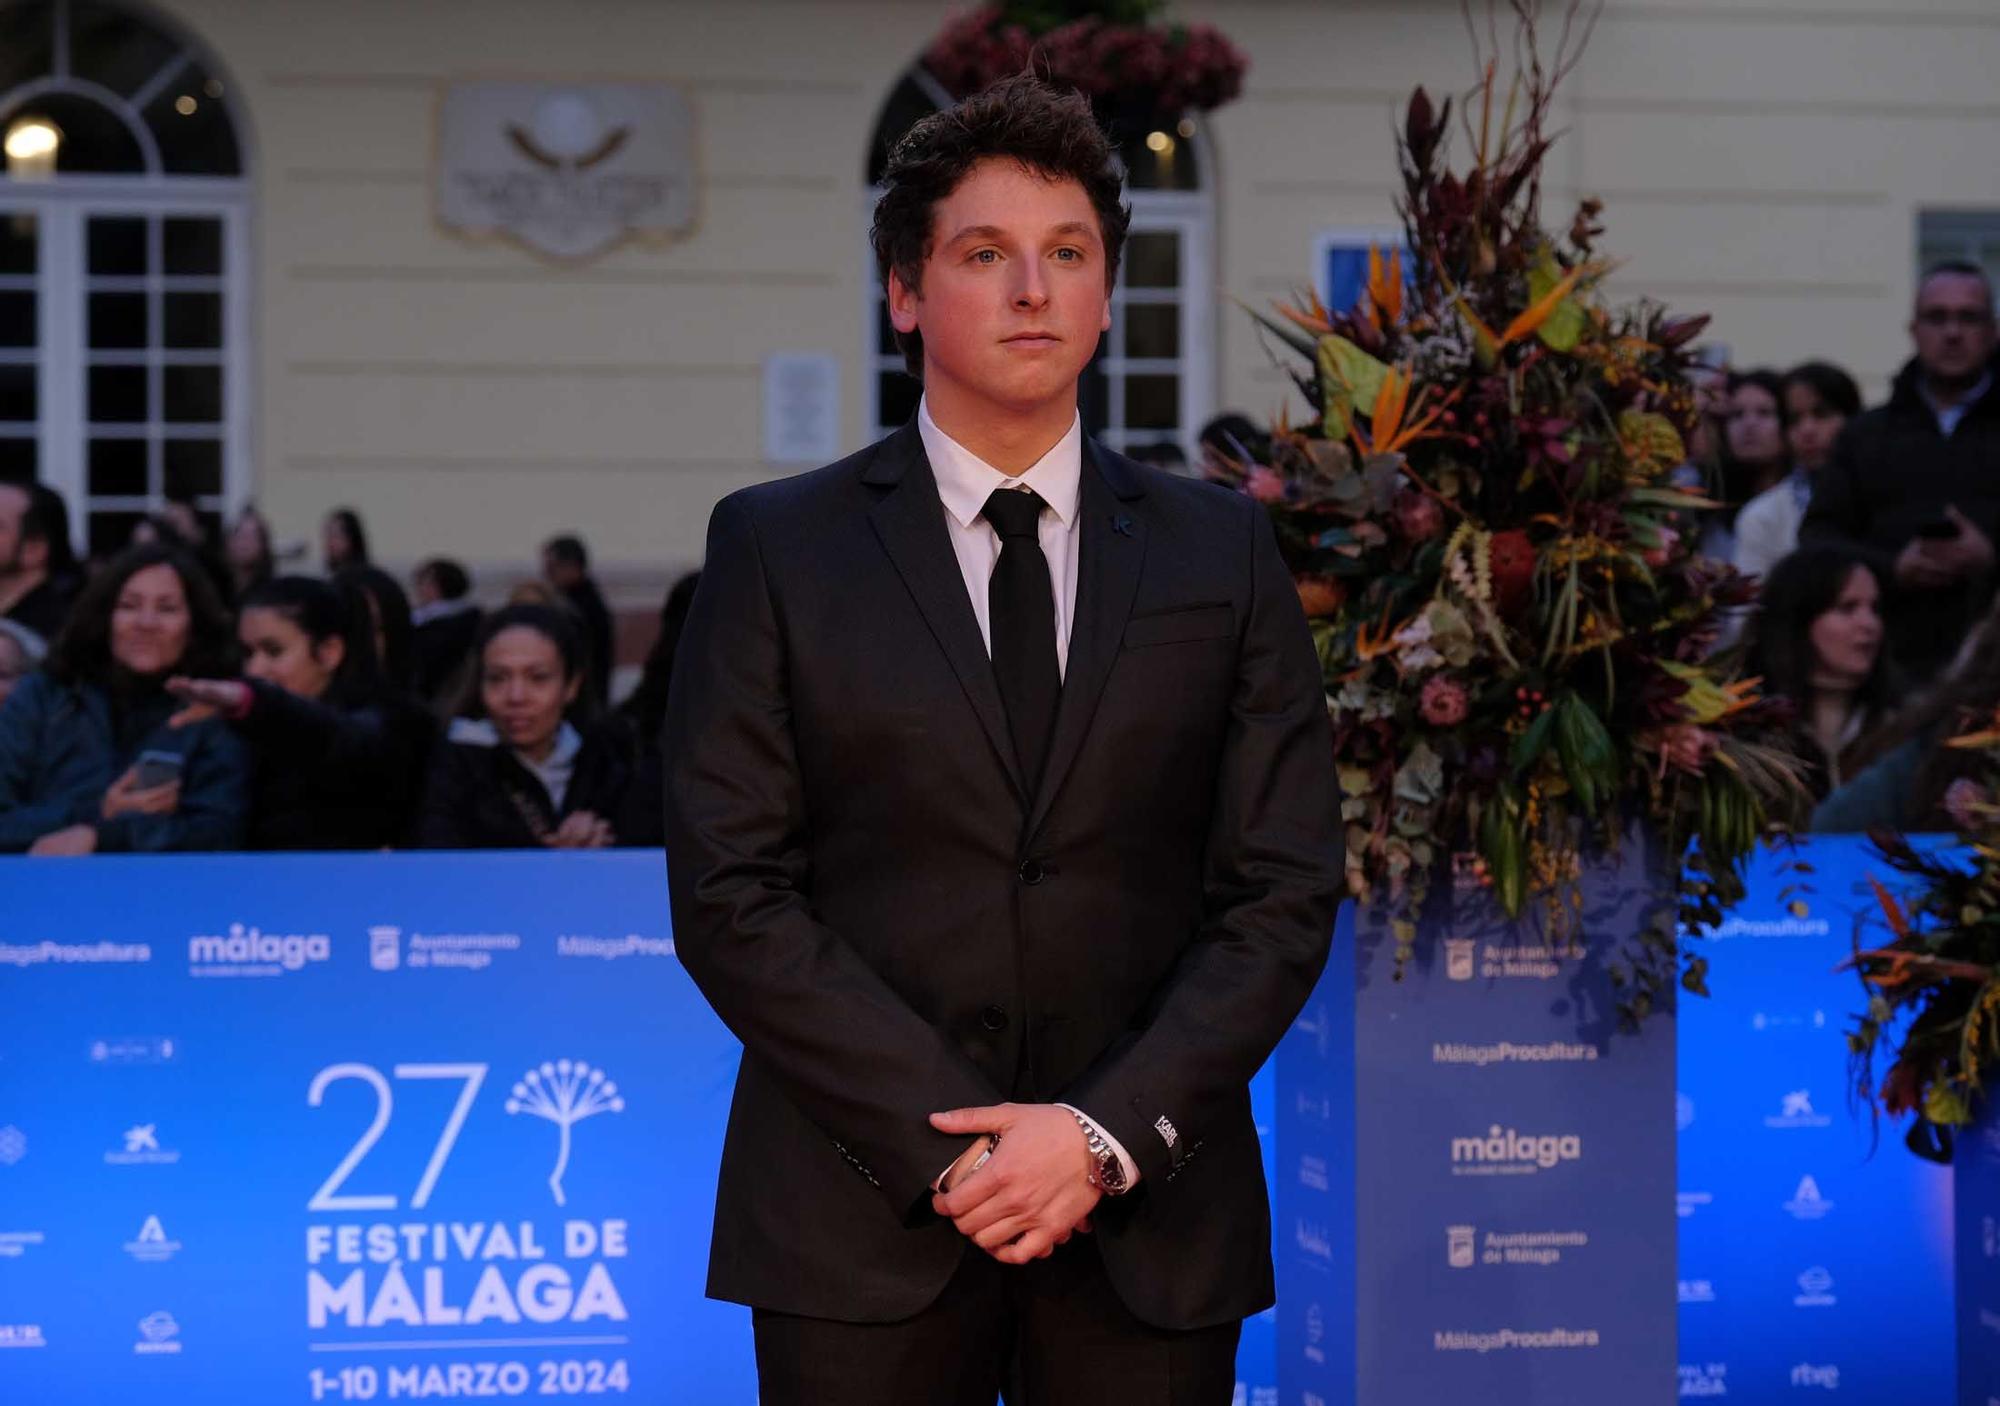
(1021, 615)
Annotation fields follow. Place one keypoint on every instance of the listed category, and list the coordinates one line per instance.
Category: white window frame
(61, 205)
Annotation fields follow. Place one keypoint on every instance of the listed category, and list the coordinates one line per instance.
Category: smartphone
(156, 769)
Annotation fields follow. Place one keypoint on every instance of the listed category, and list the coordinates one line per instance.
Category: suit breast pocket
(1183, 625)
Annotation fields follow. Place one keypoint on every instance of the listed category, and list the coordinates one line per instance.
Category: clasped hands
(1032, 1194)
(1929, 563)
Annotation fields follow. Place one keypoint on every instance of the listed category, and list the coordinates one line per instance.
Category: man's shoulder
(1174, 496)
(815, 490)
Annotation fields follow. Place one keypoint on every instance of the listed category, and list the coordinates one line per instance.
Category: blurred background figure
(1231, 438)
(566, 566)
(1754, 458)
(21, 653)
(446, 620)
(1819, 642)
(645, 711)
(343, 541)
(530, 763)
(88, 762)
(38, 575)
(248, 552)
(337, 754)
(1918, 480)
(1819, 400)
(380, 601)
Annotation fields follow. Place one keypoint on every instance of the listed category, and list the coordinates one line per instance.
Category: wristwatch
(1108, 1173)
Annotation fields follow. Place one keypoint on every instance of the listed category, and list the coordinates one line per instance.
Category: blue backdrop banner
(342, 1129)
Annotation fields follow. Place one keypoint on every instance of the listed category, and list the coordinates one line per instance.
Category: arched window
(124, 359)
(1153, 379)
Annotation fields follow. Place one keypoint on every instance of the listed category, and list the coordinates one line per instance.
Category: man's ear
(903, 301)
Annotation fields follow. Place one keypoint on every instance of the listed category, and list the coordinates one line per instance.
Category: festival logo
(1807, 1203)
(158, 1334)
(142, 1148)
(1507, 1152)
(1311, 1237)
(248, 951)
(564, 1093)
(13, 1145)
(1817, 1374)
(1796, 1111)
(1701, 1379)
(1312, 1172)
(151, 1245)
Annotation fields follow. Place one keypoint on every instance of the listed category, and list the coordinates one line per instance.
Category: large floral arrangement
(1517, 639)
(1934, 986)
(1112, 51)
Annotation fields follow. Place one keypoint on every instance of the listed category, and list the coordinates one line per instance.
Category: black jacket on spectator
(1892, 471)
(45, 608)
(480, 796)
(443, 642)
(331, 778)
(596, 616)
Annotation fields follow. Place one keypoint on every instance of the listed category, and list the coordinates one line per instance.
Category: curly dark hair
(82, 652)
(1022, 118)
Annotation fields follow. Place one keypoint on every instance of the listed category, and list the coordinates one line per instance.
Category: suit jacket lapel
(1112, 543)
(910, 521)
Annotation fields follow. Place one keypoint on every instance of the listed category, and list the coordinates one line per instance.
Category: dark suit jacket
(875, 904)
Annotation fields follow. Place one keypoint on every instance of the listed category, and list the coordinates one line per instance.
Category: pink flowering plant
(1115, 52)
(1518, 641)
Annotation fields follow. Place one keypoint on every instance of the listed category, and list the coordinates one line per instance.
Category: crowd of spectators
(184, 695)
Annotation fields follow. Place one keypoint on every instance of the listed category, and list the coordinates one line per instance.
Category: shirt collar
(965, 480)
(1949, 415)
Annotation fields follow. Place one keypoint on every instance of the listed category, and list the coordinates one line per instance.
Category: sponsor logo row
(245, 950)
(1814, 1289)
(157, 1335)
(1807, 1203)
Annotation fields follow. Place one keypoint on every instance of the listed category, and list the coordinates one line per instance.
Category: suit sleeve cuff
(1125, 1161)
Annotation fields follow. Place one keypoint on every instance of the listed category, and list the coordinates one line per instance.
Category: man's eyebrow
(1065, 230)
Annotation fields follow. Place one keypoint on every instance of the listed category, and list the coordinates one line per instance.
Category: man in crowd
(446, 620)
(1917, 481)
(566, 566)
(37, 583)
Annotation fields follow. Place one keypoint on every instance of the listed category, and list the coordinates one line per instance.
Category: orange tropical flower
(1384, 298)
(1387, 432)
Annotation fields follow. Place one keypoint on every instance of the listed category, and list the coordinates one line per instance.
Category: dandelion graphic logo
(565, 1093)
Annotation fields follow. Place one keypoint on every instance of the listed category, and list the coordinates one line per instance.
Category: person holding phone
(1917, 481)
(88, 762)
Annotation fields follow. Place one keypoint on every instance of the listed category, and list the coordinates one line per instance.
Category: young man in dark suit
(1002, 827)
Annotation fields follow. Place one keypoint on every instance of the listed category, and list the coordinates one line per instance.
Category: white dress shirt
(964, 482)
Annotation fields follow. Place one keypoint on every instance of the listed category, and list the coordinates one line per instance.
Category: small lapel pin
(1121, 524)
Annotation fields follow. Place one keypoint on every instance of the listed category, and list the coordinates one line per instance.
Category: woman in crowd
(525, 765)
(1754, 458)
(1819, 643)
(1819, 400)
(377, 598)
(87, 759)
(1909, 780)
(343, 541)
(337, 755)
(247, 551)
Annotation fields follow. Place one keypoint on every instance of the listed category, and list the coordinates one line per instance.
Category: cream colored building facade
(1769, 161)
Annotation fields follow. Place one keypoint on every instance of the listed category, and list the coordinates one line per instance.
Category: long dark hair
(82, 652)
(1800, 589)
(322, 613)
(555, 625)
(1829, 385)
(375, 595)
(1738, 485)
(357, 536)
(647, 707)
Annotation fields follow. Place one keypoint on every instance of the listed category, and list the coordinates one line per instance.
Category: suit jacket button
(993, 1018)
(1032, 872)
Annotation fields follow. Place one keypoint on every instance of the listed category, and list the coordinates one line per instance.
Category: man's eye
(986, 256)
(1069, 255)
